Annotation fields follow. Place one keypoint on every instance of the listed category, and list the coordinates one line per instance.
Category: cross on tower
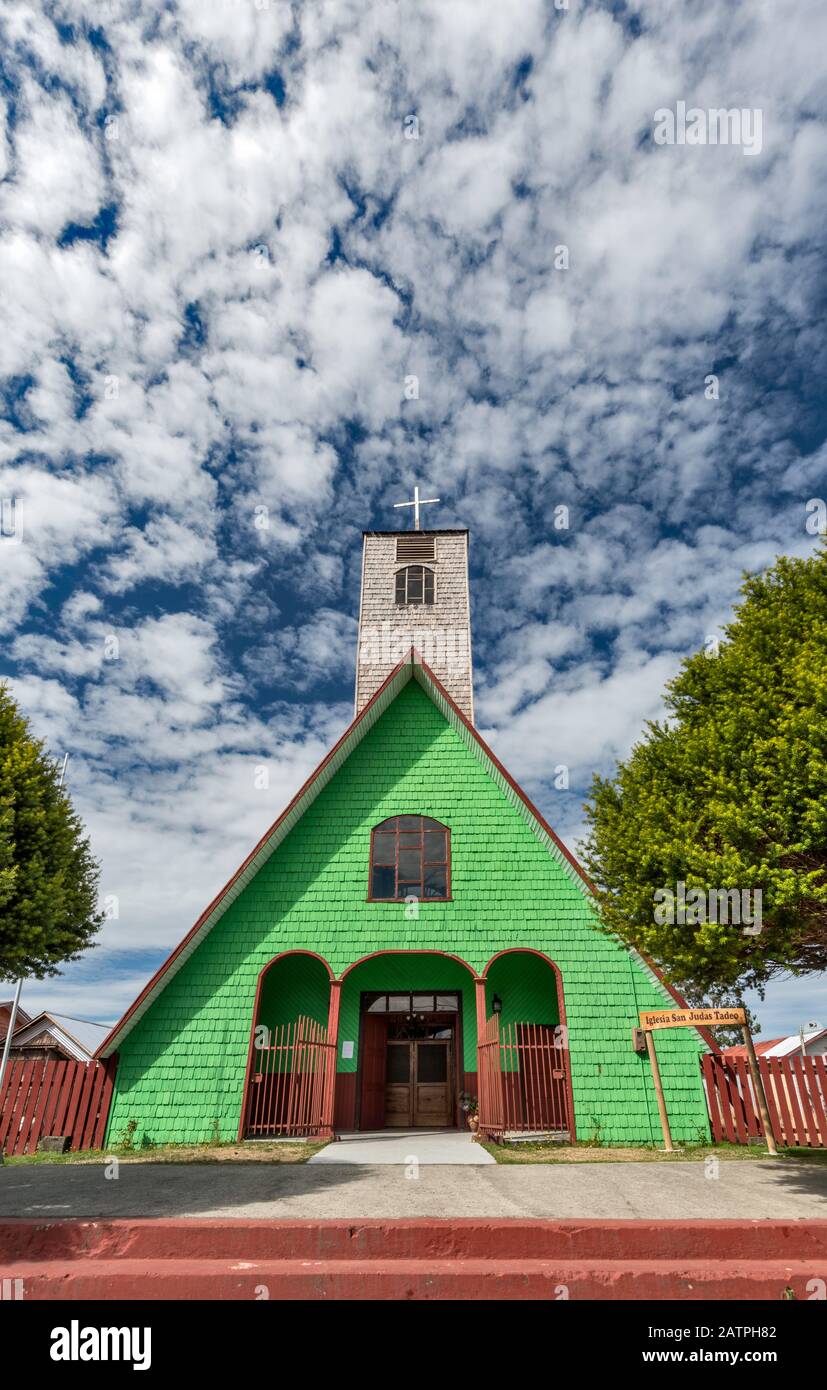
(416, 504)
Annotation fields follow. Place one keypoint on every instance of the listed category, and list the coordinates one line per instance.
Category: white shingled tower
(415, 594)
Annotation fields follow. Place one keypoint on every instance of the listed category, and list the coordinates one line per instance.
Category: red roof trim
(529, 805)
(413, 659)
(162, 969)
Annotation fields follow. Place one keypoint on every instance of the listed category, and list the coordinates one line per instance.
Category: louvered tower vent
(416, 546)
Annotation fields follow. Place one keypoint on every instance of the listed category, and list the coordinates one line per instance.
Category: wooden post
(479, 996)
(758, 1087)
(664, 1118)
(328, 1104)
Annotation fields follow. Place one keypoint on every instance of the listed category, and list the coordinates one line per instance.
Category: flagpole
(7, 1043)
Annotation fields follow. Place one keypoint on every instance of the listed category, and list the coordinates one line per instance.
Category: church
(409, 944)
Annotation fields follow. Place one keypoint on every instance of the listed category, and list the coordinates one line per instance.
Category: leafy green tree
(729, 792)
(48, 878)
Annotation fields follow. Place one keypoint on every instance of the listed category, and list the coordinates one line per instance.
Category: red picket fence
(523, 1079)
(44, 1098)
(290, 1091)
(796, 1091)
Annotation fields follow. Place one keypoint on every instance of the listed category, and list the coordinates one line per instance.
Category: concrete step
(410, 1239)
(466, 1258)
(419, 1280)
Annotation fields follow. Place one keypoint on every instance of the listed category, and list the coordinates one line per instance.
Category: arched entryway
(292, 1054)
(525, 1076)
(407, 1041)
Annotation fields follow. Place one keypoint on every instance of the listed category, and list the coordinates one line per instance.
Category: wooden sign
(653, 1019)
(691, 1018)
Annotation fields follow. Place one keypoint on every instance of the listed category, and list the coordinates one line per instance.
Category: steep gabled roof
(412, 667)
(6, 1006)
(77, 1036)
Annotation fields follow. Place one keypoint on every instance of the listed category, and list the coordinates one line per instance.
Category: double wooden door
(418, 1091)
(406, 1083)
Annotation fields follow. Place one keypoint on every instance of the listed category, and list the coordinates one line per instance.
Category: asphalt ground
(637, 1191)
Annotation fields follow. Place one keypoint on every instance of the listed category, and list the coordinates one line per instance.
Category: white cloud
(56, 177)
(243, 340)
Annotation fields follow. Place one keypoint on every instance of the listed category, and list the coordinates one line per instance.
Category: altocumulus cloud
(231, 231)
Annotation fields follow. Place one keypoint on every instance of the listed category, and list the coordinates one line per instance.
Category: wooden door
(433, 1099)
(372, 1070)
(399, 1075)
(418, 1085)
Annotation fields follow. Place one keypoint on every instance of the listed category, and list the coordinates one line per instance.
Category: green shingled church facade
(408, 938)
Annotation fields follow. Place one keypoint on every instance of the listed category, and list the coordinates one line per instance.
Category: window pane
(423, 1003)
(399, 1003)
(382, 883)
(412, 840)
(446, 1004)
(434, 884)
(409, 864)
(431, 824)
(434, 847)
(399, 1063)
(409, 890)
(431, 1063)
(384, 849)
(429, 586)
(400, 587)
(377, 1004)
(409, 822)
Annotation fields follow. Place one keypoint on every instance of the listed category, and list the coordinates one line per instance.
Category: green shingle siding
(181, 1071)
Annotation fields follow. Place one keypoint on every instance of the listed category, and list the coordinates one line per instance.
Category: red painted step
(414, 1279)
(415, 1259)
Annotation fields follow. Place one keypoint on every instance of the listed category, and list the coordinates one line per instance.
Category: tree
(728, 792)
(48, 877)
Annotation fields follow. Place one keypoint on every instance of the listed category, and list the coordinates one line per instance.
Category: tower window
(410, 856)
(415, 584)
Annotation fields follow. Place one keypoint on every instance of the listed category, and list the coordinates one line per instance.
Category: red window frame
(384, 829)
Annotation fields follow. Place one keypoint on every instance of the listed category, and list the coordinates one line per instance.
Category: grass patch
(259, 1152)
(588, 1153)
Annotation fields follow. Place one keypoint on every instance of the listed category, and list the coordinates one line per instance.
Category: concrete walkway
(751, 1189)
(405, 1146)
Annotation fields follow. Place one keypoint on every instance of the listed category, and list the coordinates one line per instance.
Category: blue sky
(223, 253)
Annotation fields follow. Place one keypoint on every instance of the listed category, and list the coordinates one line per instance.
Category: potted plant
(470, 1108)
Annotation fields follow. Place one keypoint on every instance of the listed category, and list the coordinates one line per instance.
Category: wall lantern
(497, 1004)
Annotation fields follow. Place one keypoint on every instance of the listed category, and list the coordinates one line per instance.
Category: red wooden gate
(523, 1079)
(489, 1078)
(290, 1092)
(43, 1098)
(796, 1091)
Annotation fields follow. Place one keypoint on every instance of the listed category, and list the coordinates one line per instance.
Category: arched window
(415, 584)
(410, 855)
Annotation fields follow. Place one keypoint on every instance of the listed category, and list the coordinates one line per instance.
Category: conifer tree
(48, 877)
(729, 792)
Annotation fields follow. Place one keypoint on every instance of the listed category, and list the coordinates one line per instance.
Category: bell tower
(415, 594)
